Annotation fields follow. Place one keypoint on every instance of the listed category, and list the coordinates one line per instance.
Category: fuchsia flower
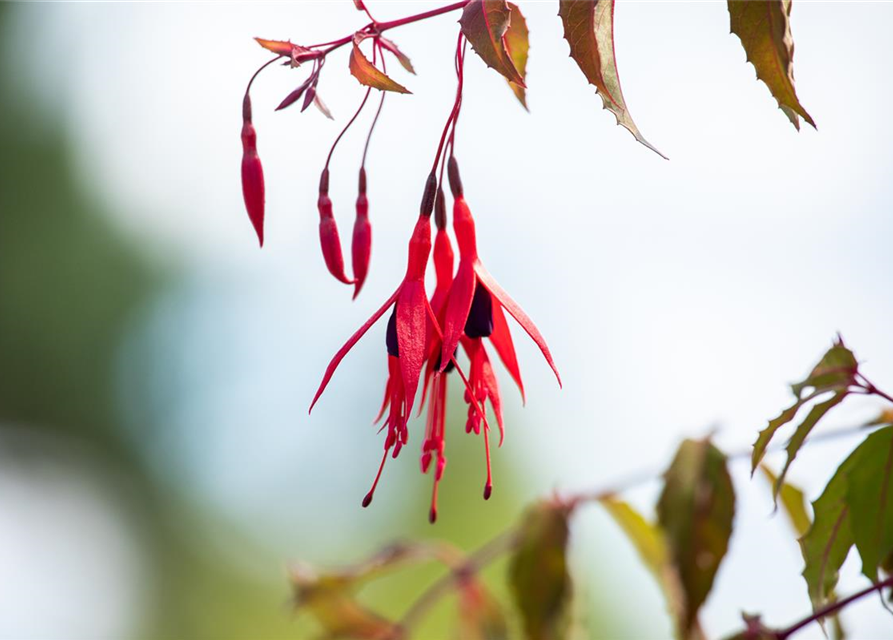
(471, 309)
(409, 336)
(328, 232)
(252, 172)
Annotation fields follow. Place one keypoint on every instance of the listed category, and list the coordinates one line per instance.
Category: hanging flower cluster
(423, 335)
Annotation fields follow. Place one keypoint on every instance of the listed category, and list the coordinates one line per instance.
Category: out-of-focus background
(158, 469)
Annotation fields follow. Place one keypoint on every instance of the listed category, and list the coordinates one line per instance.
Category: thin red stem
(457, 104)
(380, 105)
(832, 608)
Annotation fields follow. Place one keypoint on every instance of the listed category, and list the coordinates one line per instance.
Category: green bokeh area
(72, 285)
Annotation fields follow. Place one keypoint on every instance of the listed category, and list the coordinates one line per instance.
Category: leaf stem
(832, 608)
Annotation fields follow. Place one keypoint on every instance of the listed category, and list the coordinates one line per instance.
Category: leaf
(517, 43)
(695, 510)
(538, 575)
(793, 501)
(295, 95)
(480, 616)
(869, 496)
(836, 371)
(485, 23)
(764, 28)
(369, 75)
(402, 58)
(651, 545)
(754, 630)
(589, 30)
(282, 47)
(319, 104)
(828, 541)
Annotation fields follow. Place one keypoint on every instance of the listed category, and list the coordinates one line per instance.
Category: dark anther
(480, 318)
(440, 209)
(324, 181)
(391, 335)
(428, 195)
(450, 365)
(455, 180)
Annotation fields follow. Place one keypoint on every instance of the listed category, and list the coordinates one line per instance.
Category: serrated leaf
(517, 43)
(480, 616)
(793, 501)
(589, 30)
(869, 496)
(835, 372)
(651, 545)
(402, 58)
(484, 24)
(764, 28)
(828, 541)
(695, 510)
(368, 75)
(281, 47)
(538, 574)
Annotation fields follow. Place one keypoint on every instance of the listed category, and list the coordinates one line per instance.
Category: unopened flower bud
(328, 232)
(252, 173)
(361, 246)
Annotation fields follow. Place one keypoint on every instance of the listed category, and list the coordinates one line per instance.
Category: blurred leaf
(517, 43)
(319, 104)
(869, 496)
(695, 510)
(884, 418)
(754, 630)
(480, 616)
(485, 23)
(793, 501)
(835, 372)
(827, 543)
(538, 575)
(369, 75)
(764, 28)
(589, 30)
(651, 545)
(402, 58)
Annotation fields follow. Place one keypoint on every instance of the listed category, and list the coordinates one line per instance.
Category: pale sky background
(677, 297)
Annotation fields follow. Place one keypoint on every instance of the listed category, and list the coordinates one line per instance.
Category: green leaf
(828, 541)
(869, 496)
(485, 23)
(649, 542)
(764, 28)
(695, 510)
(368, 75)
(517, 43)
(480, 616)
(835, 372)
(589, 30)
(538, 575)
(793, 501)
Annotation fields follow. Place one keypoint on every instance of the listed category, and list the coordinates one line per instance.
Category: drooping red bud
(361, 247)
(328, 232)
(252, 173)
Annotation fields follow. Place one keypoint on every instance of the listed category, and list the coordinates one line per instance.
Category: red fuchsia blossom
(471, 309)
(361, 246)
(328, 232)
(409, 336)
(252, 172)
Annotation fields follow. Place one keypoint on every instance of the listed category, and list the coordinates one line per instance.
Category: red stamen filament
(368, 499)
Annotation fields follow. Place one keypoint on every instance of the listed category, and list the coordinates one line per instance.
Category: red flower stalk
(361, 247)
(408, 341)
(328, 232)
(471, 309)
(252, 172)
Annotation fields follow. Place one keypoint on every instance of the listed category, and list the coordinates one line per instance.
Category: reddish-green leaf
(589, 30)
(695, 511)
(480, 616)
(485, 23)
(283, 48)
(369, 75)
(764, 28)
(835, 372)
(869, 497)
(517, 43)
(402, 58)
(828, 541)
(538, 575)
